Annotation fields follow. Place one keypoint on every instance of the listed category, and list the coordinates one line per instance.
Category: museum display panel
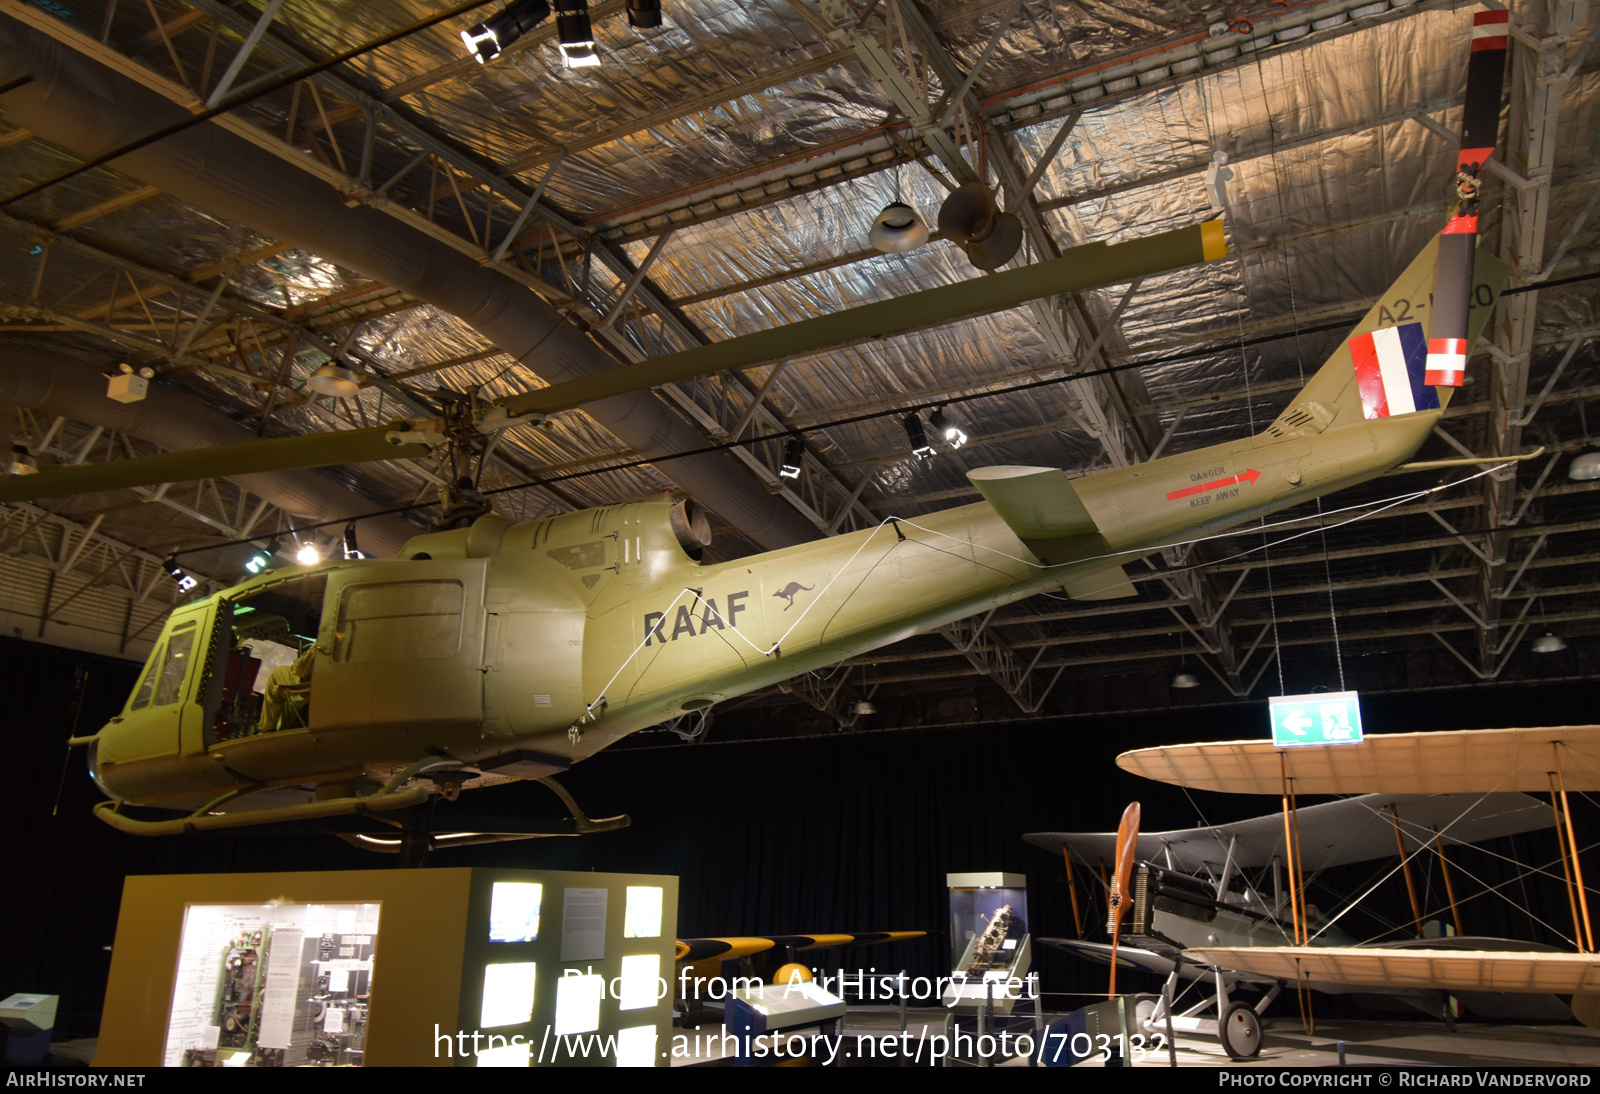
(278, 970)
(271, 985)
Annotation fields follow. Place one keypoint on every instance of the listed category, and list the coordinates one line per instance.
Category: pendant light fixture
(334, 379)
(1549, 641)
(1184, 678)
(898, 228)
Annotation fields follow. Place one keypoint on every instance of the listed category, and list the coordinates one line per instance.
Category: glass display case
(989, 943)
(272, 985)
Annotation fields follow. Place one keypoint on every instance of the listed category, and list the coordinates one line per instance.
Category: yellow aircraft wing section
(724, 949)
(1444, 970)
(1473, 761)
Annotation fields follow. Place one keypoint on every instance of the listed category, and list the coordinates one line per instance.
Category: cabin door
(401, 646)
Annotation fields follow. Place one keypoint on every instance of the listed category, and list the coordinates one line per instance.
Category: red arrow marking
(1250, 475)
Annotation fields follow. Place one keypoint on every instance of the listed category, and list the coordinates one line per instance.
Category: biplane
(1227, 905)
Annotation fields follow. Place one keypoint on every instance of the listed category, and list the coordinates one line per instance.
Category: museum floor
(1367, 1042)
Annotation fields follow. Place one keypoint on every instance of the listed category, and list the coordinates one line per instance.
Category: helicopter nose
(94, 769)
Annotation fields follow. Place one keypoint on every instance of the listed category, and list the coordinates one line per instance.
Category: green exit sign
(1332, 718)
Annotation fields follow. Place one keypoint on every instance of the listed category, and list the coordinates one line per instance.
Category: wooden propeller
(1121, 879)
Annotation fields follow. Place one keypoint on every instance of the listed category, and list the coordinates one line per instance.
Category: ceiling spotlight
(174, 571)
(941, 425)
(793, 454)
(644, 14)
(1585, 468)
(897, 229)
(308, 555)
(920, 448)
(260, 560)
(486, 40)
(574, 35)
(335, 380)
(1548, 642)
(1185, 680)
(864, 707)
(22, 461)
(351, 548)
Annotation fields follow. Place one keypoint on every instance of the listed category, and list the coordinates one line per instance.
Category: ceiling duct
(78, 104)
(56, 385)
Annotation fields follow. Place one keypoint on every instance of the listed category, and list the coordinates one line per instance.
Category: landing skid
(391, 821)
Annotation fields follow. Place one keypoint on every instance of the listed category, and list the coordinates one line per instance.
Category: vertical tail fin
(1379, 369)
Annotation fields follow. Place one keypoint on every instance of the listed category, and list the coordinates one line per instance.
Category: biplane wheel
(1240, 1031)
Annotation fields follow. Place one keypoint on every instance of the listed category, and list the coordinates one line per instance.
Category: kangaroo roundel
(790, 591)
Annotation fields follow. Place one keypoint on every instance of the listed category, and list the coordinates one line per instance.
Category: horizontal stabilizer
(1110, 582)
(1037, 503)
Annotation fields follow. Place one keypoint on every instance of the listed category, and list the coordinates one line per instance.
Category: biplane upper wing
(1472, 761)
(1443, 969)
(1332, 834)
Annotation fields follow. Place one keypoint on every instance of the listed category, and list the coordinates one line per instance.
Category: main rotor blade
(1085, 267)
(278, 454)
(1080, 268)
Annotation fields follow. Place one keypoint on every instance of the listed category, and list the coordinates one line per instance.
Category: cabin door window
(399, 621)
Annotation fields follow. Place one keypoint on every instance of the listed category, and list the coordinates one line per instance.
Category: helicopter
(498, 651)
(502, 651)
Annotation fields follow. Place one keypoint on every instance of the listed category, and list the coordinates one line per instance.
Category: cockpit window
(169, 665)
(169, 688)
(141, 698)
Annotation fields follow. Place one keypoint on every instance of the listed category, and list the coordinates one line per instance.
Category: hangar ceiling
(717, 176)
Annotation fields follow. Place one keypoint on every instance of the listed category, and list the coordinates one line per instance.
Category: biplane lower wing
(1440, 969)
